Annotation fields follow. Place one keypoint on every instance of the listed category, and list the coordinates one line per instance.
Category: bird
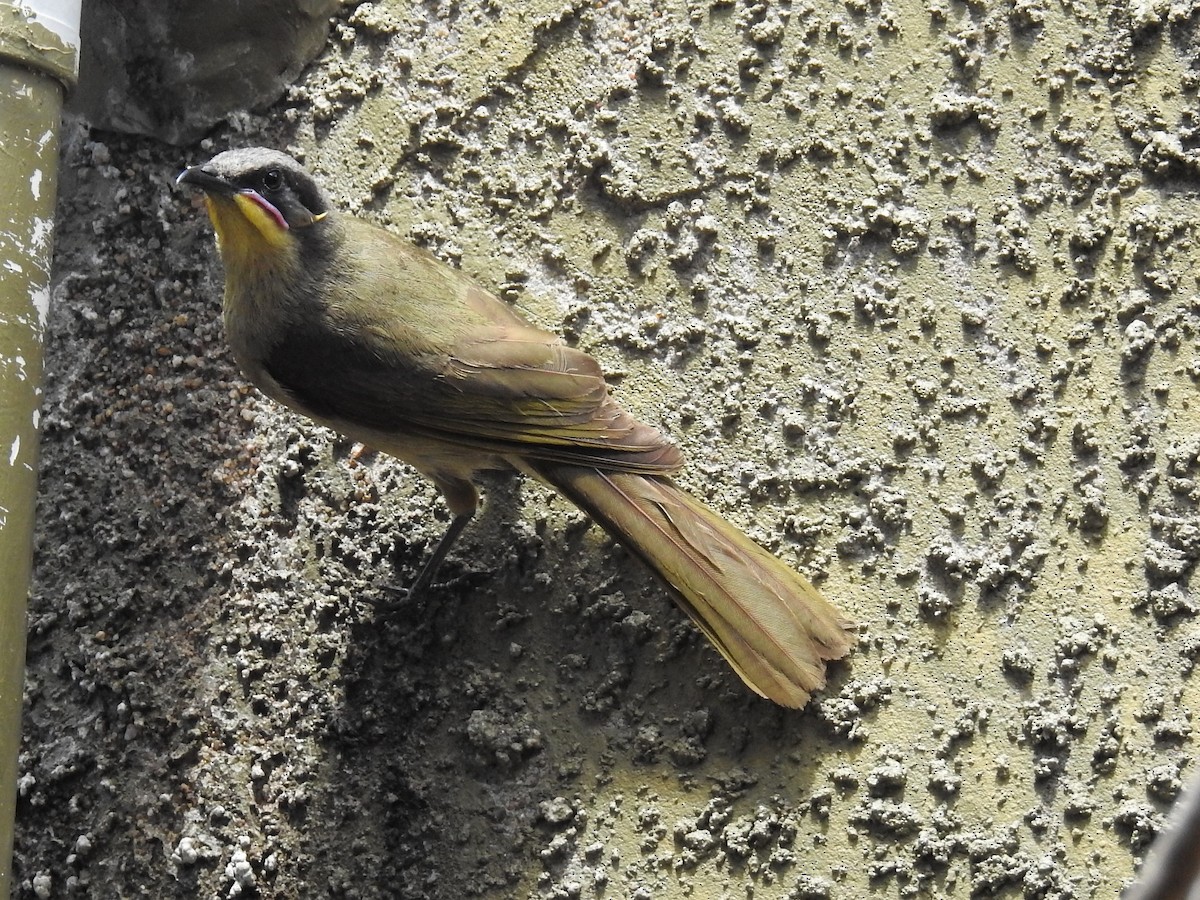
(364, 332)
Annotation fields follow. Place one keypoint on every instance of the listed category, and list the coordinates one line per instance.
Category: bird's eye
(272, 179)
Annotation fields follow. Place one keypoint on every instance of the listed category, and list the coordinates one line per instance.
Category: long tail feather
(768, 622)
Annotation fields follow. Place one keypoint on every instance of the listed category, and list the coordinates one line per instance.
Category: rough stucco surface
(915, 287)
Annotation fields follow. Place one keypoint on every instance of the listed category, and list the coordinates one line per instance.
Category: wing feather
(505, 387)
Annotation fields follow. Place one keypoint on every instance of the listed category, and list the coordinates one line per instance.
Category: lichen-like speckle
(914, 285)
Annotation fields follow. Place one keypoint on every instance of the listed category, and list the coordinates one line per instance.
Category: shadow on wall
(172, 71)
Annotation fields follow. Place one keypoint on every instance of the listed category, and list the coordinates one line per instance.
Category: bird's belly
(437, 459)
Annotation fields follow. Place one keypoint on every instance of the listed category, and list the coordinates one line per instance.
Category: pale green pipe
(37, 63)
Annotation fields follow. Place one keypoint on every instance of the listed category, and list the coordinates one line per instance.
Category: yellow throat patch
(249, 237)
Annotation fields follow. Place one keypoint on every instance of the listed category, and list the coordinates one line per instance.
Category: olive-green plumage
(363, 332)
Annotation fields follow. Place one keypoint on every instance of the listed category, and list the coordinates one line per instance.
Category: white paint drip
(43, 230)
(35, 184)
(16, 448)
(41, 302)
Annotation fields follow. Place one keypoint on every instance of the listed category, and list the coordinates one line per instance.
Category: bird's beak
(205, 179)
(217, 187)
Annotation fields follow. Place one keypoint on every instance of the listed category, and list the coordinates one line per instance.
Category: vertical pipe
(38, 57)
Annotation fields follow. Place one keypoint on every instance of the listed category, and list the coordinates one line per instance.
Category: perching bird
(363, 332)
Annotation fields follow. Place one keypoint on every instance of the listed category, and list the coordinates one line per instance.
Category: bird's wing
(501, 386)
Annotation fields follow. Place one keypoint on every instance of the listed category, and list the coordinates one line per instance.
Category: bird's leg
(463, 499)
(434, 562)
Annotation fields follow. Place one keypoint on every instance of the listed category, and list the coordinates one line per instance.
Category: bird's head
(265, 207)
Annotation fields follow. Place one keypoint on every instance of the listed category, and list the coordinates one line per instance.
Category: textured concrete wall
(914, 286)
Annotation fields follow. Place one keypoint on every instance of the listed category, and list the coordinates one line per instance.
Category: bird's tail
(769, 623)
